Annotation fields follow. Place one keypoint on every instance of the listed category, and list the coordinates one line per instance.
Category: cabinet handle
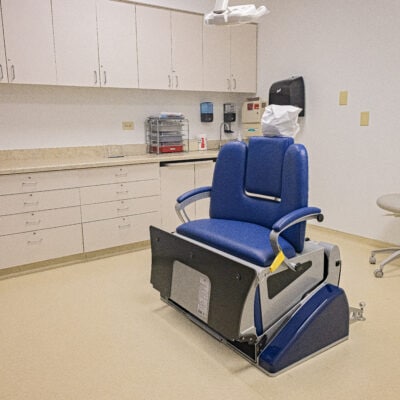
(30, 223)
(122, 192)
(95, 77)
(12, 73)
(169, 81)
(1, 73)
(105, 77)
(123, 175)
(29, 183)
(37, 241)
(31, 203)
(125, 226)
(177, 81)
(229, 84)
(234, 83)
(122, 209)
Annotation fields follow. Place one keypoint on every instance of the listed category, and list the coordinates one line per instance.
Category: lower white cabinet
(119, 231)
(121, 208)
(25, 222)
(36, 201)
(120, 205)
(178, 178)
(40, 217)
(48, 215)
(29, 247)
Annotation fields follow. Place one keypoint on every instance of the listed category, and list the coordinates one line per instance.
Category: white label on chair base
(191, 290)
(204, 297)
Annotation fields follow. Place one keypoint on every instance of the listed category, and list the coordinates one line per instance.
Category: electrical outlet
(343, 95)
(128, 125)
(364, 118)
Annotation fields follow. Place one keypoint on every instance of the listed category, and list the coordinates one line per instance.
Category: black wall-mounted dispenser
(289, 92)
(229, 112)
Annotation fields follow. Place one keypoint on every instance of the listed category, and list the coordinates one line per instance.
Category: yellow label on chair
(277, 262)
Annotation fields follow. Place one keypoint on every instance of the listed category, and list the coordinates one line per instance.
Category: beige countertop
(63, 162)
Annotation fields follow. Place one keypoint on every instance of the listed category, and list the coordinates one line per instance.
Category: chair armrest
(288, 220)
(297, 216)
(193, 192)
(190, 197)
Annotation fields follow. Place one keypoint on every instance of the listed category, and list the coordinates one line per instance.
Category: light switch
(343, 95)
(128, 125)
(364, 118)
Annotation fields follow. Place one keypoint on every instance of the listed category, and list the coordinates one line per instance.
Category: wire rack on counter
(167, 134)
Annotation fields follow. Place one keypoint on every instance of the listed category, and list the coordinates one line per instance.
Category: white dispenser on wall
(252, 111)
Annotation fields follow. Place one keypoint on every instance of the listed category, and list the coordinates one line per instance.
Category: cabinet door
(33, 221)
(187, 52)
(28, 33)
(30, 247)
(118, 231)
(244, 58)
(154, 47)
(117, 44)
(75, 36)
(176, 179)
(203, 175)
(216, 53)
(3, 65)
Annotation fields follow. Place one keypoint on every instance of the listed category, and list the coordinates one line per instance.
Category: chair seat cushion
(245, 240)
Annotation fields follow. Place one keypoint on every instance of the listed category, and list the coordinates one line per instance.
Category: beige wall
(342, 45)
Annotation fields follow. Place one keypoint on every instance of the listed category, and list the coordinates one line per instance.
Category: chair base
(232, 300)
(321, 322)
(372, 260)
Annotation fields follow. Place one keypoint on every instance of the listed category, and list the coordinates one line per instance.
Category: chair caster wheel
(372, 260)
(378, 273)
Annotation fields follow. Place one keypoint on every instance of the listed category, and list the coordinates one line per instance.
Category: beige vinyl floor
(97, 330)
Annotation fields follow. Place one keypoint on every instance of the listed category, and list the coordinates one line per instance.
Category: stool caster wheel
(372, 260)
(378, 273)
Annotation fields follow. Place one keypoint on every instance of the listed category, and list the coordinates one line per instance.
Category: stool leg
(379, 272)
(372, 259)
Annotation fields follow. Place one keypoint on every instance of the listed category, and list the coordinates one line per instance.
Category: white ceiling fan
(235, 15)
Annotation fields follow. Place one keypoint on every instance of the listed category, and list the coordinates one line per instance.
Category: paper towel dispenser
(289, 92)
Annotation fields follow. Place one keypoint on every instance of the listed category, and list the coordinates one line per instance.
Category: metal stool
(388, 202)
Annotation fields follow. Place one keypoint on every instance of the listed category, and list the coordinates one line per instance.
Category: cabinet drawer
(113, 209)
(119, 191)
(20, 203)
(34, 221)
(37, 181)
(118, 231)
(26, 248)
(123, 173)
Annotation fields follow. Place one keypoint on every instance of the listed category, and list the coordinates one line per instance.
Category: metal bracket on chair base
(357, 314)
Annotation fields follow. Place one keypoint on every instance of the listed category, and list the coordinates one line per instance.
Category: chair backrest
(261, 182)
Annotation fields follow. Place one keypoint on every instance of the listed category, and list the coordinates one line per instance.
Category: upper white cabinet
(95, 43)
(117, 44)
(3, 64)
(28, 34)
(154, 47)
(187, 54)
(217, 58)
(230, 58)
(112, 43)
(75, 36)
(169, 49)
(244, 58)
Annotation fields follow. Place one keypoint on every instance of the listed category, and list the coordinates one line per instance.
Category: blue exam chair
(247, 274)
